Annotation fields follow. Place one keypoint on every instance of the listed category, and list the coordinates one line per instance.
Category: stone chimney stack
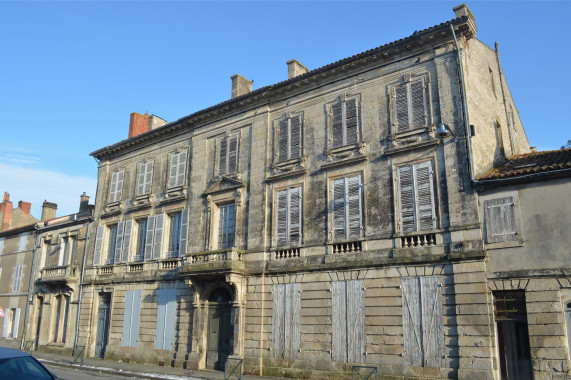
(25, 207)
(463, 10)
(294, 69)
(155, 122)
(48, 210)
(240, 86)
(6, 210)
(84, 203)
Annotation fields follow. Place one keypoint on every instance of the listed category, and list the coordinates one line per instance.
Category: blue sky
(71, 72)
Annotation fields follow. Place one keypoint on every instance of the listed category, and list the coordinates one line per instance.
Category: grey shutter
(173, 169)
(161, 320)
(98, 245)
(338, 186)
(158, 238)
(424, 197)
(119, 242)
(17, 278)
(16, 323)
(432, 321)
(278, 316)
(166, 312)
(339, 321)
(295, 137)
(127, 316)
(170, 319)
(23, 240)
(126, 241)
(351, 122)
(233, 155)
(148, 177)
(500, 220)
(281, 218)
(417, 95)
(411, 322)
(223, 156)
(113, 187)
(131, 318)
(355, 321)
(283, 137)
(406, 199)
(337, 124)
(294, 221)
(181, 169)
(401, 107)
(119, 189)
(150, 238)
(5, 324)
(292, 320)
(141, 179)
(354, 207)
(183, 233)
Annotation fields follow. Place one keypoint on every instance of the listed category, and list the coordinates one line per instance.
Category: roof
(462, 24)
(530, 164)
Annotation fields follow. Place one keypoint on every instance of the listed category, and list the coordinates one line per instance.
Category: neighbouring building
(325, 221)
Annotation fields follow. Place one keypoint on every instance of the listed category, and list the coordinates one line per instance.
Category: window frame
(342, 102)
(407, 81)
(223, 146)
(287, 139)
(116, 186)
(288, 217)
(347, 236)
(221, 227)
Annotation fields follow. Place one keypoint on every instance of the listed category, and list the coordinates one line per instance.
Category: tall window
(345, 123)
(145, 177)
(61, 313)
(228, 155)
(289, 138)
(347, 207)
(62, 252)
(177, 170)
(72, 243)
(116, 186)
(178, 230)
(226, 225)
(141, 237)
(416, 197)
(288, 217)
(410, 105)
(111, 243)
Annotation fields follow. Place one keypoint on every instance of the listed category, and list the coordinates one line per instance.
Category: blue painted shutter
(127, 315)
(150, 234)
(131, 318)
(98, 245)
(166, 312)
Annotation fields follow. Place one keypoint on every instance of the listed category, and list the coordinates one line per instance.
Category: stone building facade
(326, 221)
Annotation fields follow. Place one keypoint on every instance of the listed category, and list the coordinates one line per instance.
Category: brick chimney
(138, 124)
(83, 203)
(294, 69)
(6, 210)
(25, 207)
(48, 210)
(240, 86)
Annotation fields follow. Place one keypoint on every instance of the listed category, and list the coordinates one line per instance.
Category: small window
(226, 225)
(228, 155)
(347, 208)
(116, 186)
(410, 105)
(345, 123)
(177, 170)
(288, 217)
(416, 197)
(289, 139)
(500, 221)
(145, 178)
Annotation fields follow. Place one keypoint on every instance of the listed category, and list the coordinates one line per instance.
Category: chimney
(294, 69)
(155, 122)
(83, 202)
(138, 124)
(25, 207)
(6, 210)
(48, 210)
(240, 86)
(463, 10)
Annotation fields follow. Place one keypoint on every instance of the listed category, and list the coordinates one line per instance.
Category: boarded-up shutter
(286, 320)
(181, 169)
(338, 186)
(118, 242)
(432, 321)
(354, 207)
(348, 321)
(223, 156)
(418, 103)
(98, 245)
(278, 313)
(16, 323)
(500, 220)
(337, 124)
(283, 137)
(424, 196)
(233, 155)
(401, 107)
(281, 219)
(294, 216)
(406, 199)
(127, 315)
(166, 312)
(131, 318)
(149, 237)
(295, 136)
(183, 233)
(158, 239)
(126, 241)
(351, 122)
(412, 340)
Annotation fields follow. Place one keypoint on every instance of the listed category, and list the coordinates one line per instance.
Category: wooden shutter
(295, 137)
(181, 169)
(16, 323)
(500, 220)
(150, 238)
(432, 321)
(281, 218)
(17, 278)
(141, 179)
(233, 155)
(98, 245)
(283, 143)
(278, 315)
(338, 187)
(166, 312)
(401, 107)
(292, 320)
(337, 124)
(406, 199)
(158, 238)
(113, 187)
(173, 170)
(348, 320)
(418, 103)
(223, 156)
(118, 242)
(424, 197)
(294, 221)
(119, 188)
(412, 340)
(351, 122)
(148, 180)
(131, 318)
(5, 325)
(22, 242)
(354, 207)
(126, 241)
(183, 233)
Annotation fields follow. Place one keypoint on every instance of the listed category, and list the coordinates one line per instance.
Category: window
(154, 237)
(288, 217)
(23, 240)
(226, 225)
(228, 155)
(347, 206)
(289, 139)
(286, 320)
(111, 243)
(348, 320)
(11, 322)
(145, 177)
(16, 284)
(416, 197)
(118, 243)
(422, 321)
(141, 237)
(345, 123)
(62, 252)
(499, 215)
(60, 318)
(72, 243)
(131, 318)
(116, 186)
(177, 170)
(410, 105)
(178, 227)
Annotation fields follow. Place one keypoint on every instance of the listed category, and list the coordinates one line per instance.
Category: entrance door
(220, 340)
(102, 324)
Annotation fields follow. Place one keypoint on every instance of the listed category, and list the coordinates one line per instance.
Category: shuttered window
(166, 313)
(116, 186)
(288, 217)
(141, 238)
(17, 283)
(122, 241)
(416, 197)
(131, 318)
(289, 139)
(111, 244)
(500, 220)
(347, 206)
(423, 328)
(286, 320)
(154, 237)
(178, 229)
(348, 321)
(410, 105)
(226, 226)
(228, 155)
(145, 178)
(177, 169)
(98, 245)
(11, 322)
(345, 123)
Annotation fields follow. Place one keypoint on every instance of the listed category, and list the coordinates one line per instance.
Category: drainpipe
(81, 284)
(30, 286)
(510, 132)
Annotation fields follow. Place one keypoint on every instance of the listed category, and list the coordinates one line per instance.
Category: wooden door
(102, 325)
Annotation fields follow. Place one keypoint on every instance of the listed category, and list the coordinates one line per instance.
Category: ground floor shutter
(131, 318)
(166, 313)
(286, 320)
(16, 323)
(348, 321)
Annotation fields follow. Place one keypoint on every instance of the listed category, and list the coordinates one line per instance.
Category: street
(77, 374)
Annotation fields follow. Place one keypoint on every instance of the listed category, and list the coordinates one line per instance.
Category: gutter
(81, 285)
(30, 286)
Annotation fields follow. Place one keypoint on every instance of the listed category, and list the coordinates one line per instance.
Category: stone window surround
(213, 202)
(405, 78)
(276, 189)
(329, 123)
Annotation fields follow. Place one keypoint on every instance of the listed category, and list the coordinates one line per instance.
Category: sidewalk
(142, 371)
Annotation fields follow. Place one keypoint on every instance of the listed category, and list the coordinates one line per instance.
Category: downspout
(30, 285)
(510, 132)
(81, 285)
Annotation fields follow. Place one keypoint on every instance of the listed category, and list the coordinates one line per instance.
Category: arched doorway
(220, 337)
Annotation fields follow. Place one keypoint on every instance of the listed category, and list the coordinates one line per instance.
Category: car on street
(18, 365)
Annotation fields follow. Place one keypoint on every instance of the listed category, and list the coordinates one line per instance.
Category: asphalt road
(76, 374)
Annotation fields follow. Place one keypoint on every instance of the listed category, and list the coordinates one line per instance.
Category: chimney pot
(48, 210)
(240, 86)
(6, 210)
(294, 69)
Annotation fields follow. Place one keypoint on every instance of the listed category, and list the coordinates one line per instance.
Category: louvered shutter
(17, 278)
(424, 196)
(412, 340)
(150, 238)
(16, 323)
(158, 239)
(354, 207)
(126, 241)
(432, 321)
(417, 95)
(113, 187)
(98, 245)
(294, 221)
(406, 199)
(173, 170)
(295, 136)
(351, 122)
(283, 137)
(233, 155)
(500, 220)
(181, 169)
(118, 242)
(119, 188)
(141, 179)
(222, 156)
(281, 219)
(401, 107)
(148, 177)
(338, 186)
(183, 233)
(337, 124)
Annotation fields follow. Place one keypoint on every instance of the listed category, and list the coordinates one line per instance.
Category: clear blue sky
(73, 71)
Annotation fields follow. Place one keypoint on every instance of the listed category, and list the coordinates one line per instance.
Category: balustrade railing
(418, 240)
(136, 267)
(215, 256)
(288, 253)
(347, 247)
